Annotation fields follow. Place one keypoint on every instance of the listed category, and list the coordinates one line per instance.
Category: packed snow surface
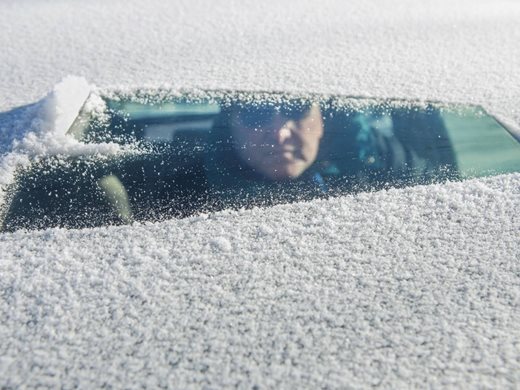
(464, 50)
(396, 288)
(400, 288)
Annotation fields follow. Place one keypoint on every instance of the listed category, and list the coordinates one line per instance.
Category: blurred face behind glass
(278, 142)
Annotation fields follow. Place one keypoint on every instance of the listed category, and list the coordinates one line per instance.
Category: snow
(57, 112)
(463, 50)
(330, 293)
(401, 288)
(41, 130)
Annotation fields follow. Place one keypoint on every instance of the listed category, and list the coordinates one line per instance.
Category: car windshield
(205, 153)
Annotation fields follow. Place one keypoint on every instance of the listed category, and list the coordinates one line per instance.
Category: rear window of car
(197, 153)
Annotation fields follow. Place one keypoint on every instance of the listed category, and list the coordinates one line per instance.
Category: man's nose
(284, 132)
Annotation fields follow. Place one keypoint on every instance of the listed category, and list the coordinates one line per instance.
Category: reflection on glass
(210, 154)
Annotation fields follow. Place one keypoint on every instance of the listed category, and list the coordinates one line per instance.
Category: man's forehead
(271, 109)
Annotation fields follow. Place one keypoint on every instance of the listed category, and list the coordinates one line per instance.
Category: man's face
(278, 143)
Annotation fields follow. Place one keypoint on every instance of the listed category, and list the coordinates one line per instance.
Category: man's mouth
(280, 150)
(282, 155)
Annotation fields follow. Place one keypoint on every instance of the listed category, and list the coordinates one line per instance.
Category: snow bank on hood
(416, 287)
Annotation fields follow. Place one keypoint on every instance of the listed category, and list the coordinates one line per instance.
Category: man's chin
(283, 172)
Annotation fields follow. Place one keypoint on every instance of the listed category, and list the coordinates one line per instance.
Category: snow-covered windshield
(195, 154)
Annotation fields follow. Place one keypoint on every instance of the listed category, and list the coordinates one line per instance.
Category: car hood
(439, 50)
(395, 288)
